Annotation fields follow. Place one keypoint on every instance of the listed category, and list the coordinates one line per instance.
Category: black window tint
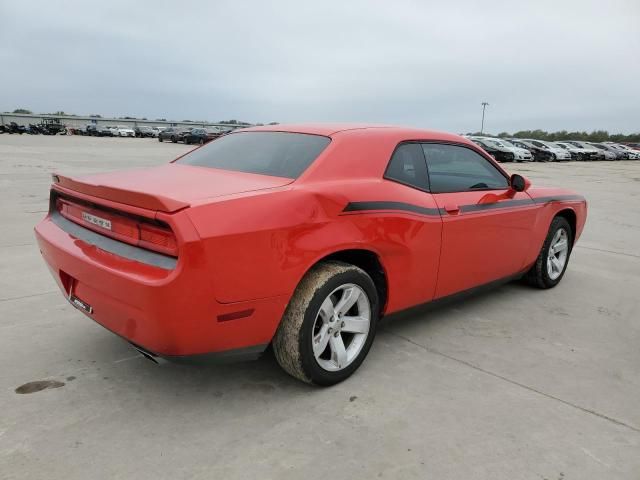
(279, 154)
(457, 169)
(407, 166)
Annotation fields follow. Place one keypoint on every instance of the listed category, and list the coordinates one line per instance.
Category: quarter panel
(261, 245)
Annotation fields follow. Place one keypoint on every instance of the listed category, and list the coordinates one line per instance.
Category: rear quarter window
(278, 154)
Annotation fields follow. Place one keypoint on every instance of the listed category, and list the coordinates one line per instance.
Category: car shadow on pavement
(119, 368)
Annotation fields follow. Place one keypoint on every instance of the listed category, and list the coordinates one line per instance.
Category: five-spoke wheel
(553, 258)
(329, 324)
(341, 327)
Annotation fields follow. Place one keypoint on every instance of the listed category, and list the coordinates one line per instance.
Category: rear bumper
(168, 312)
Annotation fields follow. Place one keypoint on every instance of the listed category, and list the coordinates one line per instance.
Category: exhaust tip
(149, 356)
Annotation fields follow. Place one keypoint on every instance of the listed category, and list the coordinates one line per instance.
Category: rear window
(278, 154)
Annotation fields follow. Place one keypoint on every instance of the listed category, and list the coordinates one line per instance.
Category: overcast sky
(549, 65)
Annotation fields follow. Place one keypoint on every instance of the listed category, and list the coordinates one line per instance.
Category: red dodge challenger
(298, 236)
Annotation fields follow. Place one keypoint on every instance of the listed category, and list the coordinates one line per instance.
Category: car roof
(361, 150)
(332, 129)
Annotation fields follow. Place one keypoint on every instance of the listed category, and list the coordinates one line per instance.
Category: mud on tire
(292, 343)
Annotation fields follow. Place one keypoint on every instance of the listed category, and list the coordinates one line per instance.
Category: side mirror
(519, 183)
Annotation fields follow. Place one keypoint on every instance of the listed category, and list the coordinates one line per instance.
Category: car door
(412, 226)
(485, 224)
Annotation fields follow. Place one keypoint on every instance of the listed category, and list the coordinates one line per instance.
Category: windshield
(278, 154)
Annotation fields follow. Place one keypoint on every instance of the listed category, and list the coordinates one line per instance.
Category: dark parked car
(200, 135)
(542, 151)
(13, 127)
(97, 131)
(609, 152)
(144, 131)
(171, 133)
(52, 126)
(501, 155)
(91, 130)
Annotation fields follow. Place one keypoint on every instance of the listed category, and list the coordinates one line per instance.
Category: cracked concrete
(514, 383)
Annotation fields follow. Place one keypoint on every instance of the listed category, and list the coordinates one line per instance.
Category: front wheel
(554, 257)
(329, 325)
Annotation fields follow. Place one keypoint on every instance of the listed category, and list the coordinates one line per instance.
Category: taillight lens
(129, 230)
(157, 238)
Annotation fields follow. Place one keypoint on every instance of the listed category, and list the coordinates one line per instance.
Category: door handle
(452, 209)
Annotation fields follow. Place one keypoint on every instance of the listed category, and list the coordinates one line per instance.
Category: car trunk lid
(168, 188)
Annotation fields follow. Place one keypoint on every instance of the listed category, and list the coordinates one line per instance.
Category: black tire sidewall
(311, 368)
(557, 224)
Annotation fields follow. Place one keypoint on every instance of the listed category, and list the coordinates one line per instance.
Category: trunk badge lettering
(101, 222)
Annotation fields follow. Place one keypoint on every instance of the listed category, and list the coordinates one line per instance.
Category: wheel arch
(367, 260)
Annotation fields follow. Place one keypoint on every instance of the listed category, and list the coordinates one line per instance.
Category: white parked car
(595, 153)
(503, 150)
(578, 153)
(521, 154)
(631, 153)
(125, 131)
(546, 151)
(114, 130)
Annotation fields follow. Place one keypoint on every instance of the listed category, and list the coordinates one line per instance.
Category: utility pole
(484, 105)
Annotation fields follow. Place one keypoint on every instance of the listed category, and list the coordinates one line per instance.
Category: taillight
(135, 231)
(157, 238)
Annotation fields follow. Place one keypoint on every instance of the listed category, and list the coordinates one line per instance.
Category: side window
(459, 169)
(407, 166)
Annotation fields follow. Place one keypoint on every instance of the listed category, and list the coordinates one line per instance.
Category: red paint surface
(245, 241)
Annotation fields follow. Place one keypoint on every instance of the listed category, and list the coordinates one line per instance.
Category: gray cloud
(540, 64)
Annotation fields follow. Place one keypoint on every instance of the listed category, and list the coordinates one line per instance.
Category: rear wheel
(329, 324)
(554, 257)
(159, 138)
(174, 139)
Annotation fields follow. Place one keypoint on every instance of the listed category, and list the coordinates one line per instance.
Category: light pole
(484, 105)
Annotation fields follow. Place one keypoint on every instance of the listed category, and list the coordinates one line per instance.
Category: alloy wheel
(558, 253)
(341, 327)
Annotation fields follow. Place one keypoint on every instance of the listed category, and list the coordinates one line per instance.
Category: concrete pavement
(516, 383)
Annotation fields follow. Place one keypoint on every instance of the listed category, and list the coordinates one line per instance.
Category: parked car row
(48, 126)
(190, 135)
(105, 131)
(532, 150)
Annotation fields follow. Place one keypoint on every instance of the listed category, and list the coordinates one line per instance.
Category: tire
(541, 274)
(174, 139)
(159, 138)
(293, 341)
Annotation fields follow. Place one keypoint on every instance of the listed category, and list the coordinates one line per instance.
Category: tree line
(594, 136)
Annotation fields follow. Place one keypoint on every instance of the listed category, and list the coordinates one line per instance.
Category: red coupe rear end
(133, 261)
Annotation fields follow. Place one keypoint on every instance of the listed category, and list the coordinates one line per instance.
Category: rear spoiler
(127, 197)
